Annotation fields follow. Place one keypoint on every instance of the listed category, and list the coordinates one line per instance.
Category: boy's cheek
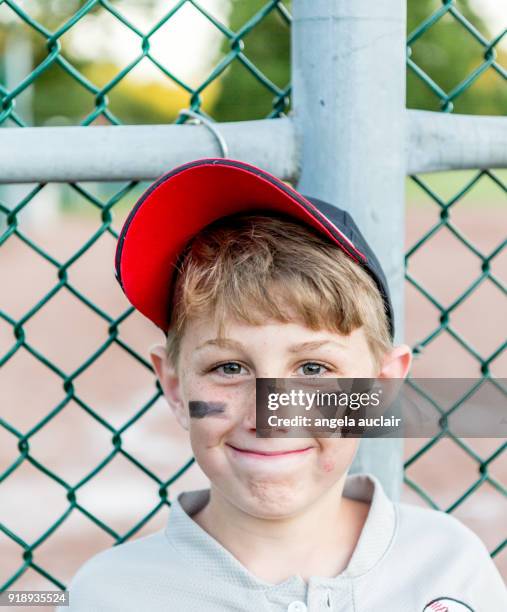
(337, 454)
(207, 439)
(200, 409)
(209, 422)
(207, 404)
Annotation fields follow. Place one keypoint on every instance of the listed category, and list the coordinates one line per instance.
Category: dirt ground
(116, 385)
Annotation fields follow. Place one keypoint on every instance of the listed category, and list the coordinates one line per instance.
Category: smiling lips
(269, 453)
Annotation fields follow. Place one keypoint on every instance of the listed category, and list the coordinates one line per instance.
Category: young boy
(248, 278)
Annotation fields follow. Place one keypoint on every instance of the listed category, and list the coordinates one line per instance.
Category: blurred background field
(62, 353)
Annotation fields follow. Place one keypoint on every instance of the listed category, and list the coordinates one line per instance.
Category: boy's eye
(232, 368)
(229, 368)
(312, 369)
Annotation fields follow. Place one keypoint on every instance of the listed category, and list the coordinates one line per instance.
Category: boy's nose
(271, 371)
(250, 410)
(270, 368)
(250, 400)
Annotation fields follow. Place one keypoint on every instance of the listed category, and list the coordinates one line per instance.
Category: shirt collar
(203, 551)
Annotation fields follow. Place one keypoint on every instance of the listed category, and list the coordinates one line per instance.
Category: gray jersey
(407, 559)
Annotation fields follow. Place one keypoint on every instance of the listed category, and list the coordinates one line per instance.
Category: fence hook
(199, 119)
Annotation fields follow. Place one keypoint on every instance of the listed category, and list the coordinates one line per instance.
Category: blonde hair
(255, 267)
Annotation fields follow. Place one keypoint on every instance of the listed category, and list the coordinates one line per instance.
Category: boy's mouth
(261, 453)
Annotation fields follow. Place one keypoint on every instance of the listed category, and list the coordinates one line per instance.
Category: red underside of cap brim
(177, 207)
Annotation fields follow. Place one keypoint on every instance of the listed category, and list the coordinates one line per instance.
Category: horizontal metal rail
(435, 142)
(138, 152)
(443, 141)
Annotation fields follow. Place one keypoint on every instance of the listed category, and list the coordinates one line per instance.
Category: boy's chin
(271, 499)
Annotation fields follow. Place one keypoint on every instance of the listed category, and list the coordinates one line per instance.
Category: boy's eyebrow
(221, 342)
(313, 344)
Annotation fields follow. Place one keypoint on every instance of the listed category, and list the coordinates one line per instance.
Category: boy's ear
(170, 383)
(396, 363)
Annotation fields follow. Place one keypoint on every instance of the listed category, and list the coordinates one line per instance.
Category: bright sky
(494, 13)
(186, 44)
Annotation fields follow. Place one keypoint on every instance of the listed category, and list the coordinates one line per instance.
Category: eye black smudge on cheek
(199, 409)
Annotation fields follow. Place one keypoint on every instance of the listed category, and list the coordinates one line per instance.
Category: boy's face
(213, 396)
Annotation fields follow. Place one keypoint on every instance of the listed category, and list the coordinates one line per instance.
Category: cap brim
(184, 201)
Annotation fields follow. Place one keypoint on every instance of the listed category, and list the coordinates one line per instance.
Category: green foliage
(267, 46)
(448, 53)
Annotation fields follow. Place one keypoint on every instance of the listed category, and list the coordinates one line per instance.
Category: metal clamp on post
(197, 119)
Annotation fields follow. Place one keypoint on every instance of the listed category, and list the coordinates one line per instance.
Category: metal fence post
(348, 77)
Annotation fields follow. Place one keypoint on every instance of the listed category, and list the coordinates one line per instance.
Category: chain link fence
(106, 206)
(486, 63)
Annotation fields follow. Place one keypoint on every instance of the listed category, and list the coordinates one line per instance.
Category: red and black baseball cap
(185, 200)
